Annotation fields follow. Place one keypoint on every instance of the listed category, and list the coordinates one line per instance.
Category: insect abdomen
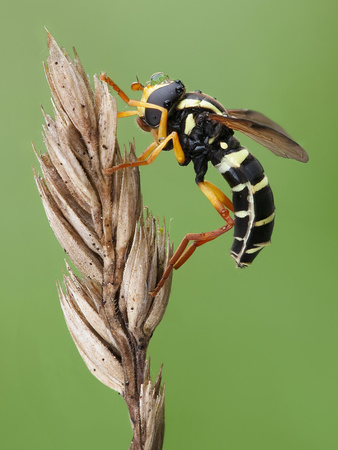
(254, 207)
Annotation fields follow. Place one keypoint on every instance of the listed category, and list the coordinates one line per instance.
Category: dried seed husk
(83, 258)
(100, 360)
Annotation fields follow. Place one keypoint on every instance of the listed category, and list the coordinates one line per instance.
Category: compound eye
(159, 78)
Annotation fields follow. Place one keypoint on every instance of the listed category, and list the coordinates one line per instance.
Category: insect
(200, 130)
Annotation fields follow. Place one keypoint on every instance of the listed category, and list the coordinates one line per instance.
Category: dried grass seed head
(96, 219)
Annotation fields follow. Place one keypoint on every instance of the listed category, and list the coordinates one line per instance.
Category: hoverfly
(200, 130)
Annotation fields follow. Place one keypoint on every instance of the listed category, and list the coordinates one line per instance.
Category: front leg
(151, 153)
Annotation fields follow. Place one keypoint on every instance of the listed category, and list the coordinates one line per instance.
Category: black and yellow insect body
(204, 140)
(200, 130)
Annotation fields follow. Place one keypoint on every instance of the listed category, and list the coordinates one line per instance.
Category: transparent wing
(264, 131)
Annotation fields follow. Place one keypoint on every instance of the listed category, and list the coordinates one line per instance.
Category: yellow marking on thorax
(207, 105)
(189, 103)
(189, 124)
(198, 103)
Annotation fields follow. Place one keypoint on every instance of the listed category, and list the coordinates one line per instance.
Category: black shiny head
(162, 92)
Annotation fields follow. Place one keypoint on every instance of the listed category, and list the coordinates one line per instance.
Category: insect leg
(223, 198)
(218, 200)
(123, 95)
(182, 254)
(151, 153)
(126, 114)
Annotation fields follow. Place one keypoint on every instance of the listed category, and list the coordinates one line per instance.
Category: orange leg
(126, 114)
(182, 254)
(220, 202)
(218, 199)
(222, 197)
(152, 153)
(125, 98)
(147, 151)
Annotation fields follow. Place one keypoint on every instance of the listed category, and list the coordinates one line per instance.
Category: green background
(250, 356)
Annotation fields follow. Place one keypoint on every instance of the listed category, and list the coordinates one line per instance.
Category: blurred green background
(250, 356)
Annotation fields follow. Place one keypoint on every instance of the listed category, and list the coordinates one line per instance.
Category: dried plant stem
(119, 250)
